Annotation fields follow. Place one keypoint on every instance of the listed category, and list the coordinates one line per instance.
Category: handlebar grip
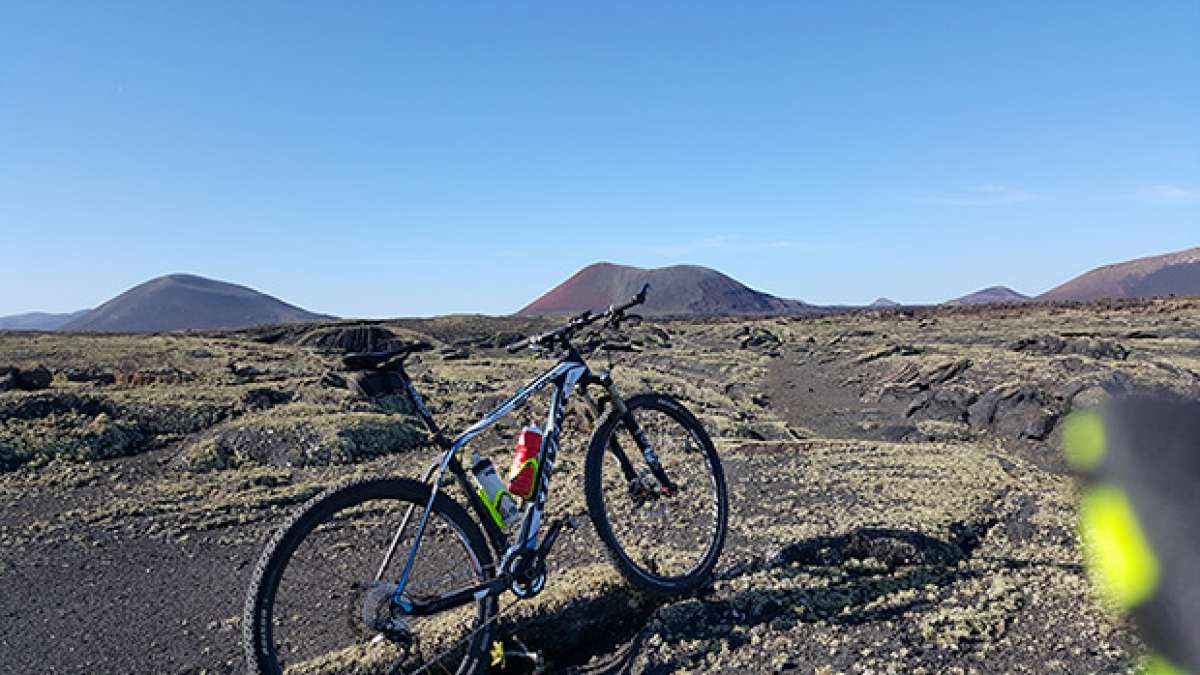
(641, 295)
(637, 299)
(577, 322)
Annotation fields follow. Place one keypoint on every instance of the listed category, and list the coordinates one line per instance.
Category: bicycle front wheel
(319, 601)
(663, 526)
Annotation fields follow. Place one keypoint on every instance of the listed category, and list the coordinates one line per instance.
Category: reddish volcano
(680, 290)
(1161, 275)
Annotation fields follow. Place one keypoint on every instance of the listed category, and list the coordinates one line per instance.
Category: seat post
(419, 403)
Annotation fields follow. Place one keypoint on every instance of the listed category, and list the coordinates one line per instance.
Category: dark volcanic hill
(989, 296)
(185, 301)
(680, 290)
(38, 320)
(1169, 274)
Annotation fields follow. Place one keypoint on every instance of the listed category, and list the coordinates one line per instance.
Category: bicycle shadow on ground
(849, 579)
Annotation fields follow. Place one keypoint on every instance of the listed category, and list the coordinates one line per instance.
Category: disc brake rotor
(375, 613)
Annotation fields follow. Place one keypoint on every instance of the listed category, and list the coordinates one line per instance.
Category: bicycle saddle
(375, 360)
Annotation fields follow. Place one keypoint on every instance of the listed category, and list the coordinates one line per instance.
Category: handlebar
(565, 331)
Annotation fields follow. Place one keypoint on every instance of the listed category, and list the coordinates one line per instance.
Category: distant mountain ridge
(1175, 273)
(187, 301)
(989, 296)
(39, 320)
(679, 290)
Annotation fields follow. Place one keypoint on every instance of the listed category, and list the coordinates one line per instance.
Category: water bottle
(524, 471)
(494, 492)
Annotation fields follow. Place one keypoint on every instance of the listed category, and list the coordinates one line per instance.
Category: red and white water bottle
(523, 474)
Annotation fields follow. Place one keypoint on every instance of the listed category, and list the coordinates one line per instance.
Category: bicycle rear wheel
(318, 598)
(663, 538)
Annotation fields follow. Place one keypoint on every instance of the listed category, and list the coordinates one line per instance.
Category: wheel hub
(377, 614)
(646, 488)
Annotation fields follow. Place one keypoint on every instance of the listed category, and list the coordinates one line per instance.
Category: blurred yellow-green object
(1123, 562)
(1140, 517)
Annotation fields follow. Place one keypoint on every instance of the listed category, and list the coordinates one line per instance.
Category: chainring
(528, 573)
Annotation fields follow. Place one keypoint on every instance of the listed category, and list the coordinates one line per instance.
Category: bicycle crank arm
(552, 535)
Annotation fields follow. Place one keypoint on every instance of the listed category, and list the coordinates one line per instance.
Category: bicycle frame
(565, 375)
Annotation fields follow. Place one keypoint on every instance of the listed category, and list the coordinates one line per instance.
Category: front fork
(639, 435)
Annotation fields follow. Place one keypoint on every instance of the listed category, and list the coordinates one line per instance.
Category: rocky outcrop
(911, 379)
(754, 337)
(946, 404)
(1023, 411)
(8, 379)
(351, 339)
(262, 398)
(94, 375)
(506, 338)
(1083, 346)
(454, 353)
(895, 350)
(153, 376)
(31, 379)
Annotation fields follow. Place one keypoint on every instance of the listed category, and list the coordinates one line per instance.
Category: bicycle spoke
(328, 584)
(665, 532)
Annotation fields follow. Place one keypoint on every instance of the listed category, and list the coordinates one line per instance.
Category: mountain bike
(394, 575)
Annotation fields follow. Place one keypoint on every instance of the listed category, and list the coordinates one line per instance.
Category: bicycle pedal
(535, 658)
(500, 655)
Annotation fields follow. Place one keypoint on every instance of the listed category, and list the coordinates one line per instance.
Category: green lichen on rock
(69, 436)
(302, 435)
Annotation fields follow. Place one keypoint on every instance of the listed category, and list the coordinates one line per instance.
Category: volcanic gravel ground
(897, 502)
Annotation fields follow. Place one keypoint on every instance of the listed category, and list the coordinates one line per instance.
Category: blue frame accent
(564, 375)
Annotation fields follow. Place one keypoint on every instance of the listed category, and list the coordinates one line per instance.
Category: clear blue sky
(383, 159)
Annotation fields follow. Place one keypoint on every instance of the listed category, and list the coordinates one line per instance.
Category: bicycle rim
(666, 535)
(327, 591)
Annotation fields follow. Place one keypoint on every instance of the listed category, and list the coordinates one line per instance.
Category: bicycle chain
(469, 635)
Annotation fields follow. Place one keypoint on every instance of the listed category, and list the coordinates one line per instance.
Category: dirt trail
(814, 397)
(841, 552)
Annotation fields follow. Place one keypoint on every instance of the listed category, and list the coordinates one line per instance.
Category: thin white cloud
(1167, 193)
(987, 194)
(718, 243)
